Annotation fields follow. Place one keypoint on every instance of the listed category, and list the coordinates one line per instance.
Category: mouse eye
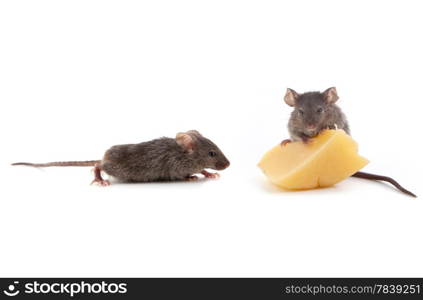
(301, 111)
(212, 153)
(319, 110)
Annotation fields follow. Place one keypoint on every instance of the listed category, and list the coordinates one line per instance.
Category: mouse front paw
(306, 139)
(210, 175)
(285, 142)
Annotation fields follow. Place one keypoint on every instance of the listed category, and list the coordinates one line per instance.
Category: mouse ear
(185, 141)
(193, 132)
(290, 97)
(331, 95)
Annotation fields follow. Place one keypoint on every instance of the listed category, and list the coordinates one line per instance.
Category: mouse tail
(383, 178)
(86, 163)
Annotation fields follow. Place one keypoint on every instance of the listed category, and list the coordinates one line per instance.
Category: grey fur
(309, 103)
(162, 159)
(331, 117)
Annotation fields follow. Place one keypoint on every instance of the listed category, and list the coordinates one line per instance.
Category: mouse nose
(222, 166)
(311, 126)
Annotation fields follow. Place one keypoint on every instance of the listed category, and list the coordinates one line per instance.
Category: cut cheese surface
(324, 161)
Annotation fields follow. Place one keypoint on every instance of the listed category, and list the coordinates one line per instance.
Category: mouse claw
(210, 175)
(101, 182)
(285, 142)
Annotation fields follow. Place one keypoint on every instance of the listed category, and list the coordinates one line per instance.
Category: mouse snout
(311, 127)
(222, 165)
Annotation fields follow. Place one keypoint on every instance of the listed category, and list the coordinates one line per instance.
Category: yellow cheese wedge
(324, 161)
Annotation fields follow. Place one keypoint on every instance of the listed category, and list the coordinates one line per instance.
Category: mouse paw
(210, 175)
(101, 182)
(191, 178)
(285, 142)
(306, 140)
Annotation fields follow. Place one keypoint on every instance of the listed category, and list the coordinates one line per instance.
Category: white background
(77, 77)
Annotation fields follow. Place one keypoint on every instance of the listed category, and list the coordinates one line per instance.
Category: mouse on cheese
(324, 161)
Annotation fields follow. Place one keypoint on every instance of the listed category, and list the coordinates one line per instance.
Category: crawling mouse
(163, 159)
(314, 112)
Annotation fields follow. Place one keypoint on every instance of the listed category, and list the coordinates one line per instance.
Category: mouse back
(164, 159)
